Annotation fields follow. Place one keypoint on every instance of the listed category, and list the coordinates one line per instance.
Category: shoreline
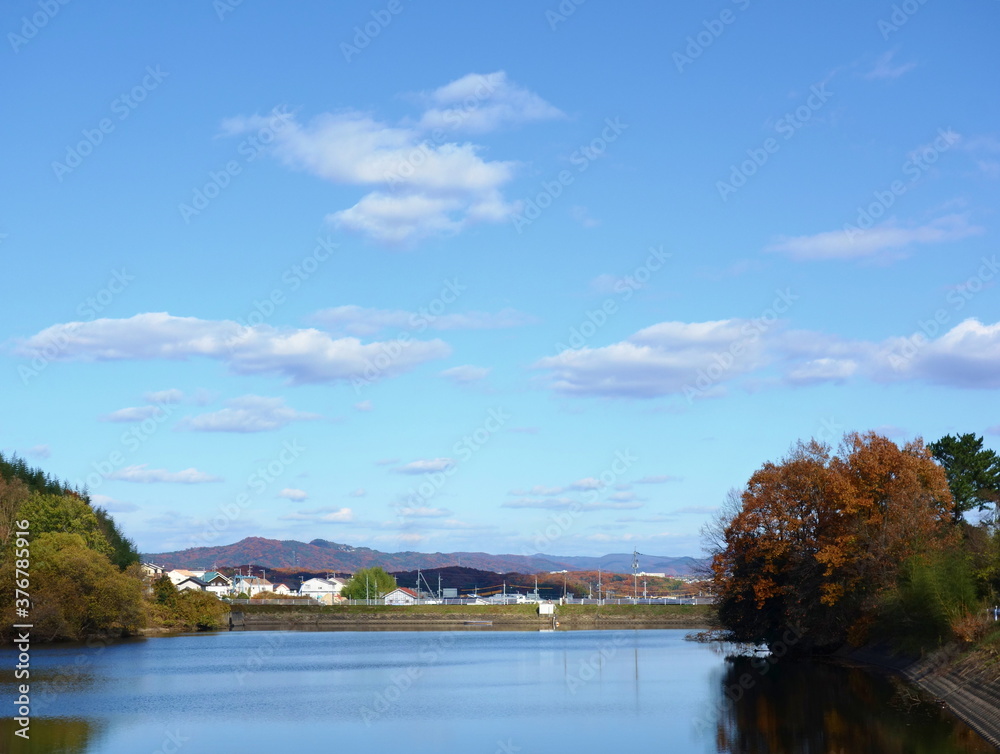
(525, 617)
(963, 684)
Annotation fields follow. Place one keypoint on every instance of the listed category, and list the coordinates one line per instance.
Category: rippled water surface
(464, 691)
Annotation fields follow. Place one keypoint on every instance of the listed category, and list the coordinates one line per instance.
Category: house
(152, 570)
(325, 590)
(282, 589)
(178, 575)
(216, 583)
(193, 583)
(252, 585)
(401, 596)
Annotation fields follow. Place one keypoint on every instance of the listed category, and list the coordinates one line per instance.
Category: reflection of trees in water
(50, 735)
(799, 707)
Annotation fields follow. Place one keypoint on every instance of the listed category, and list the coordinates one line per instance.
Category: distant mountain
(323, 555)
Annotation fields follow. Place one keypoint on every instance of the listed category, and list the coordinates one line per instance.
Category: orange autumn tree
(819, 538)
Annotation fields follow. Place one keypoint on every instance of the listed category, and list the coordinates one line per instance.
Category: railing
(510, 600)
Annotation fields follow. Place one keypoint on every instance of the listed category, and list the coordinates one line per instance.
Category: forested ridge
(84, 576)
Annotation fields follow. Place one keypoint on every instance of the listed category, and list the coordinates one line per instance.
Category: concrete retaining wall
(968, 686)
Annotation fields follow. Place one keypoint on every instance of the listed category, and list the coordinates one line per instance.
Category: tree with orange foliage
(819, 538)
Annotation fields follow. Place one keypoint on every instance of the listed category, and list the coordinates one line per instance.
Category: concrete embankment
(968, 684)
(362, 618)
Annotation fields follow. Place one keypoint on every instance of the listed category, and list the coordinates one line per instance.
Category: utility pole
(599, 587)
(635, 576)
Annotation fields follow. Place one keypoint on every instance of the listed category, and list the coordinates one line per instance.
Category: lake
(464, 691)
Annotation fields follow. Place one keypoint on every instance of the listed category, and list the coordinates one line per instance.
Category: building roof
(404, 590)
(209, 576)
(193, 580)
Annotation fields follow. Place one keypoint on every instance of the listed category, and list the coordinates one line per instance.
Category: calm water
(467, 691)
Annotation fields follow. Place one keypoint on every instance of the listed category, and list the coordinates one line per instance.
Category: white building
(401, 596)
(216, 583)
(324, 590)
(191, 582)
(178, 575)
(252, 585)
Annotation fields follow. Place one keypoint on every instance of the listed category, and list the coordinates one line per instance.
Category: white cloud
(172, 395)
(132, 414)
(422, 184)
(423, 512)
(658, 360)
(250, 413)
(364, 406)
(111, 505)
(965, 356)
(658, 479)
(290, 493)
(322, 516)
(466, 374)
(884, 68)
(480, 103)
(301, 355)
(39, 451)
(426, 466)
(144, 475)
(357, 320)
(583, 217)
(359, 492)
(852, 243)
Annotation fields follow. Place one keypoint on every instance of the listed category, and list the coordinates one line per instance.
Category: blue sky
(512, 278)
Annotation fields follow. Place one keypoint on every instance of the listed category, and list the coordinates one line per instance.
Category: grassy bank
(652, 616)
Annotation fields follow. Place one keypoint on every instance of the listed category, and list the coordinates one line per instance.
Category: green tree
(76, 592)
(369, 583)
(164, 591)
(65, 514)
(123, 551)
(973, 472)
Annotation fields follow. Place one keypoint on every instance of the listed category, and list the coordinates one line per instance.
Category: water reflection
(51, 736)
(805, 707)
